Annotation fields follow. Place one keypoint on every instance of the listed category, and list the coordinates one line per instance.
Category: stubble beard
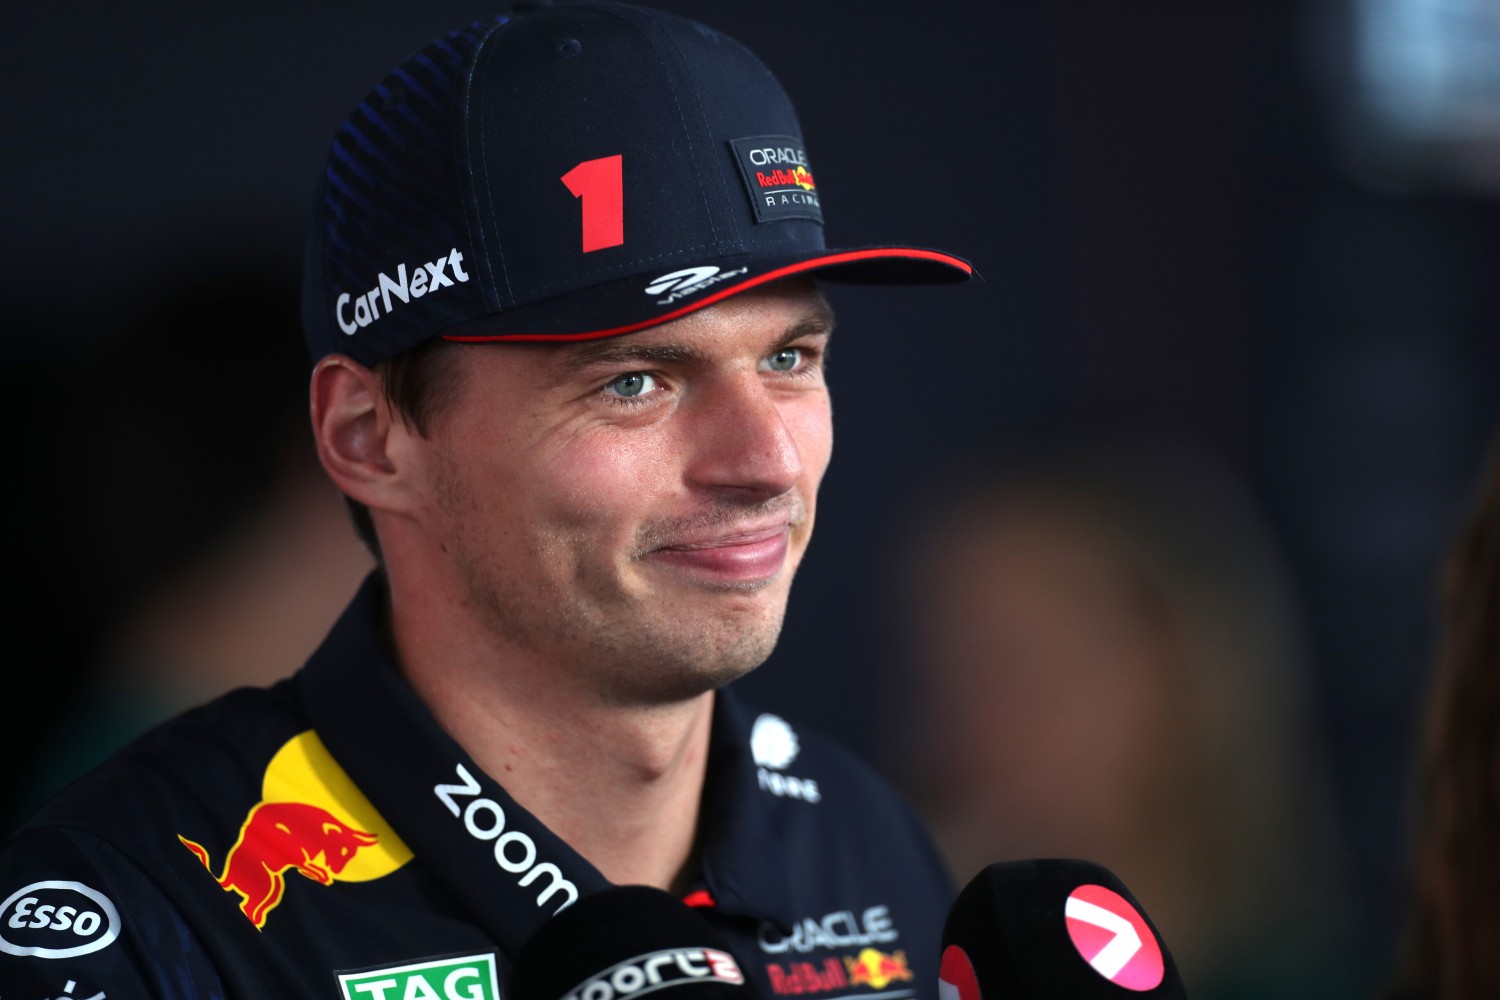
(631, 651)
(622, 646)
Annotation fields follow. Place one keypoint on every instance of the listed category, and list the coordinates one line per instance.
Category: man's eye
(785, 360)
(631, 385)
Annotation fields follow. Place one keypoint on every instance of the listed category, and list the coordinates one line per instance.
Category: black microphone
(1053, 928)
(623, 943)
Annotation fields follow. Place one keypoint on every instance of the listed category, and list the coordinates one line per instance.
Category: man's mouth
(744, 556)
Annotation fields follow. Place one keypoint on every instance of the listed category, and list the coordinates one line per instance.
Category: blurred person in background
(1451, 945)
(1105, 663)
(198, 547)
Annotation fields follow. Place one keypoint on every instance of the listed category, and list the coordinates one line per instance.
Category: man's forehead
(769, 316)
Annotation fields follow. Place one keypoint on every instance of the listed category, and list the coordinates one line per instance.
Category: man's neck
(621, 784)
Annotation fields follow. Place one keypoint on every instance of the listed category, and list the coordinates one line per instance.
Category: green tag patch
(471, 977)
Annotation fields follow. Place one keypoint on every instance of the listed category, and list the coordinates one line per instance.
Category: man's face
(630, 512)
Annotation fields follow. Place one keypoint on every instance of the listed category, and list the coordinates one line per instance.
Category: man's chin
(685, 667)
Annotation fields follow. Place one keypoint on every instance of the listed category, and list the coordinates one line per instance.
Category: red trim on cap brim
(831, 260)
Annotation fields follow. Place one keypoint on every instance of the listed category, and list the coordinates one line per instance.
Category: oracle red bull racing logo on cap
(311, 821)
(777, 178)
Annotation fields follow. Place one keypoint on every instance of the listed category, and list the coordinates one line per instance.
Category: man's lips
(736, 556)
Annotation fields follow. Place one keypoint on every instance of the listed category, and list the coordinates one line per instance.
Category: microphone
(626, 942)
(1052, 929)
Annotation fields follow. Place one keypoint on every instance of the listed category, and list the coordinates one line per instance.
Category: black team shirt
(324, 838)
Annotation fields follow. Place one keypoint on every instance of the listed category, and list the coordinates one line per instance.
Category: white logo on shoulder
(689, 281)
(773, 744)
(57, 920)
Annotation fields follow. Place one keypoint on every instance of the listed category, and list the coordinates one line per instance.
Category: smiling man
(568, 337)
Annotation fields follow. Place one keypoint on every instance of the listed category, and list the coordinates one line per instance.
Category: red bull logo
(796, 978)
(798, 176)
(777, 178)
(877, 969)
(278, 837)
(311, 820)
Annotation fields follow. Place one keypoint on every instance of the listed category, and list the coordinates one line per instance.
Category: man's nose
(742, 441)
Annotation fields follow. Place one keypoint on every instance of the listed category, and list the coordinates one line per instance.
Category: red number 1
(599, 186)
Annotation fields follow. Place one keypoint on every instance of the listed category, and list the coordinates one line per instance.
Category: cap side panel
(389, 237)
(488, 244)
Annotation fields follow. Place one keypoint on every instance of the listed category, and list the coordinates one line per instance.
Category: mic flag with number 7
(1052, 928)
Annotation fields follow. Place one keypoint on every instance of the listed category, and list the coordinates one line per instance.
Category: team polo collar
(506, 865)
(508, 868)
(745, 850)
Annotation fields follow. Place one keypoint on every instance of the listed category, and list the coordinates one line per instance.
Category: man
(568, 370)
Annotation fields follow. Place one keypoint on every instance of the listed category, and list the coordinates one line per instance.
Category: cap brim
(625, 306)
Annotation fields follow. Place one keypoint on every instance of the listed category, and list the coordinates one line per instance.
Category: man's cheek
(812, 428)
(593, 484)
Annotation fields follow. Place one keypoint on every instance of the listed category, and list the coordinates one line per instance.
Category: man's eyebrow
(623, 352)
(819, 322)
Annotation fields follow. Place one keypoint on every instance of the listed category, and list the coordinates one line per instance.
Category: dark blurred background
(1260, 232)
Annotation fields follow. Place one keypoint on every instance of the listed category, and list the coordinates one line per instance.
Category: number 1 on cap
(599, 187)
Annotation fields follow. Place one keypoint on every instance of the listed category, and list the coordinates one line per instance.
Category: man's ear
(359, 439)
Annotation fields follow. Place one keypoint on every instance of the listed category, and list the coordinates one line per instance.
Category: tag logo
(57, 920)
(471, 977)
(773, 744)
(777, 178)
(1113, 938)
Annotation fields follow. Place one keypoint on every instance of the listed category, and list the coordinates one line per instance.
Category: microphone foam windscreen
(624, 943)
(1052, 928)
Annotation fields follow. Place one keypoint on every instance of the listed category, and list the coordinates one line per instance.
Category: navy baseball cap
(563, 172)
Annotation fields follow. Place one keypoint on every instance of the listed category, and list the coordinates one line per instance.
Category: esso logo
(57, 920)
